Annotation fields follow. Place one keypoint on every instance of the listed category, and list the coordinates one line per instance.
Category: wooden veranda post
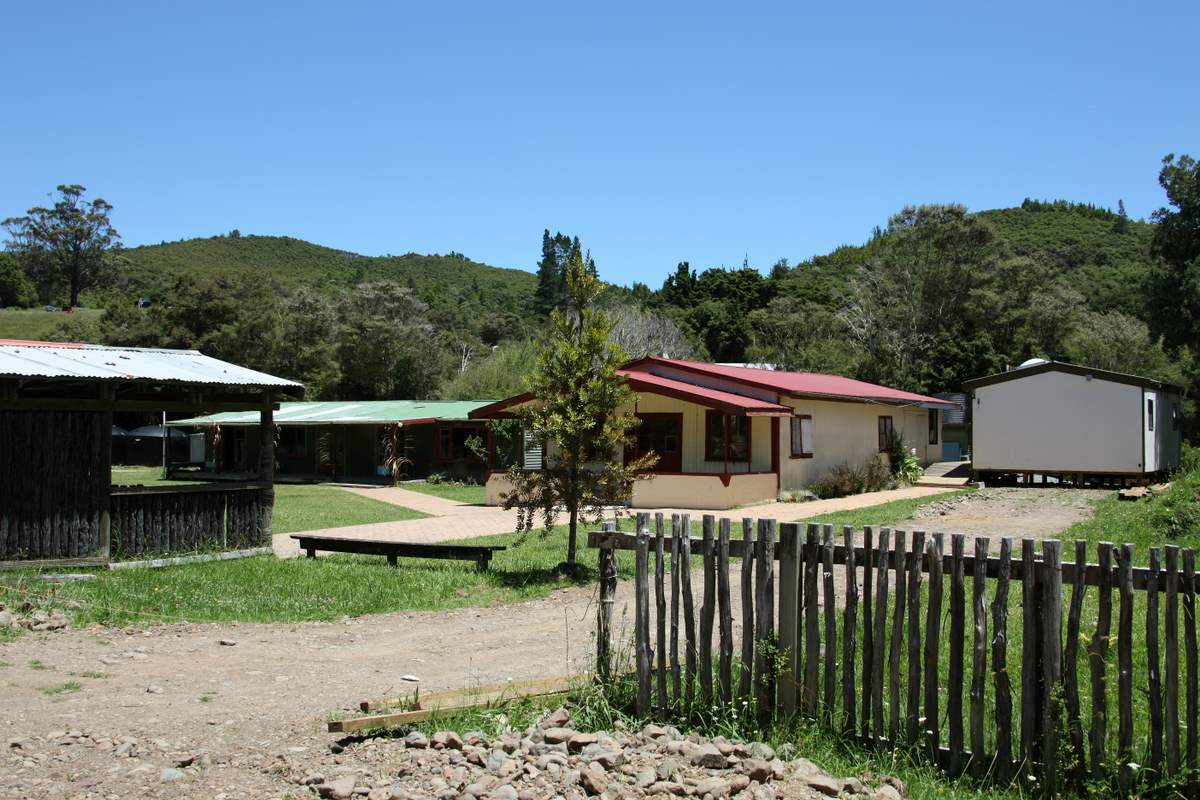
(266, 467)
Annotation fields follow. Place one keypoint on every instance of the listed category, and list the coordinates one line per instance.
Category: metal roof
(1072, 369)
(68, 361)
(795, 384)
(703, 395)
(348, 412)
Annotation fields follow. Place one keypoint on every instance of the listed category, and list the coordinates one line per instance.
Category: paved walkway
(450, 519)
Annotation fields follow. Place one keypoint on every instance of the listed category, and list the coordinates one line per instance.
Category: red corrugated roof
(29, 343)
(702, 395)
(796, 384)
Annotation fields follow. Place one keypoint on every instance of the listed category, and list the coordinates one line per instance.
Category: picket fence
(882, 677)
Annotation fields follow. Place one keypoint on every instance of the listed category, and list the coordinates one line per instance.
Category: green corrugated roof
(348, 412)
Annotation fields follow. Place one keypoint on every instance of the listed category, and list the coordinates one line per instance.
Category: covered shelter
(349, 439)
(57, 502)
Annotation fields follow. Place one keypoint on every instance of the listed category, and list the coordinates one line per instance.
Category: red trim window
(885, 434)
(934, 415)
(452, 443)
(660, 433)
(802, 436)
(726, 437)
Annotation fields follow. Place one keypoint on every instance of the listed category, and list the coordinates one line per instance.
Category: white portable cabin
(1054, 418)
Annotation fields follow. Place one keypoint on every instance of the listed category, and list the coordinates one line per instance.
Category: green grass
(472, 494)
(298, 507)
(36, 324)
(69, 686)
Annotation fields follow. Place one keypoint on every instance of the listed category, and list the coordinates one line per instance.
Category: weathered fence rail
(159, 519)
(907, 679)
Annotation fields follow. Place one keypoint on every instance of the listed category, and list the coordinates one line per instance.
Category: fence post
(1052, 659)
(812, 633)
(1000, 665)
(641, 624)
(725, 657)
(789, 586)
(660, 613)
(849, 633)
(1152, 660)
(954, 700)
(830, 625)
(1030, 660)
(689, 610)
(749, 549)
(978, 654)
(708, 608)
(933, 627)
(608, 591)
(1171, 641)
(1071, 661)
(676, 687)
(1097, 654)
(880, 635)
(899, 554)
(916, 557)
(764, 623)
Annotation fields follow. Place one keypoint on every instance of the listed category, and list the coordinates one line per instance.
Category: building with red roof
(731, 435)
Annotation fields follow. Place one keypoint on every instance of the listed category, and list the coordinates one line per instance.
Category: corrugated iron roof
(348, 412)
(712, 398)
(795, 384)
(54, 360)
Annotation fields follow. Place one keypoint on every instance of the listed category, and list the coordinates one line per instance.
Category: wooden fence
(160, 519)
(882, 675)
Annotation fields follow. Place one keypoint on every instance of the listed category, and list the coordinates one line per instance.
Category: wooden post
(1052, 660)
(749, 547)
(725, 612)
(868, 649)
(1003, 686)
(641, 623)
(933, 627)
(608, 591)
(1171, 642)
(708, 610)
(1029, 656)
(899, 553)
(954, 699)
(676, 676)
(1071, 661)
(689, 610)
(764, 620)
(266, 468)
(849, 634)
(789, 614)
(1125, 670)
(660, 615)
(916, 555)
(104, 475)
(812, 631)
(830, 609)
(1097, 654)
(879, 636)
(1154, 678)
(1189, 644)
(978, 654)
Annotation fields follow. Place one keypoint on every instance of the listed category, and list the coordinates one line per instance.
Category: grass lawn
(298, 507)
(36, 324)
(472, 494)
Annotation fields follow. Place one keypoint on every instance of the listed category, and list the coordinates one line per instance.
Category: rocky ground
(547, 760)
(1034, 512)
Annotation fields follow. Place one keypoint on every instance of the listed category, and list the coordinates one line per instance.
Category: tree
(502, 373)
(309, 328)
(387, 348)
(1120, 343)
(640, 332)
(1175, 280)
(557, 251)
(581, 415)
(66, 245)
(1121, 223)
(15, 287)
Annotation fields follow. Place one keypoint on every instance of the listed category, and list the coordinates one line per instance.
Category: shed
(1072, 422)
(57, 502)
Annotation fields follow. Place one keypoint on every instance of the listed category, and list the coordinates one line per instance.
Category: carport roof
(348, 412)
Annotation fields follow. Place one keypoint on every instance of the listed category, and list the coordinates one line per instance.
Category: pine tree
(581, 416)
(1121, 224)
(546, 295)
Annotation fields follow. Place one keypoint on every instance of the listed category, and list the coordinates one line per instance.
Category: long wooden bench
(480, 554)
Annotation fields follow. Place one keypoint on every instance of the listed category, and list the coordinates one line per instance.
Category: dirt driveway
(149, 698)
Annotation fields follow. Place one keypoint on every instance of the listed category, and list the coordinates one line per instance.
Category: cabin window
(933, 426)
(726, 437)
(1149, 413)
(660, 434)
(1174, 416)
(802, 435)
(452, 444)
(885, 434)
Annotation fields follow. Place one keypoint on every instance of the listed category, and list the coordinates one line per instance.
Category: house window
(660, 434)
(726, 437)
(452, 444)
(1149, 414)
(885, 434)
(802, 433)
(933, 426)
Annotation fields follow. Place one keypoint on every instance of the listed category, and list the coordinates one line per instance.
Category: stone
(886, 792)
(594, 781)
(667, 787)
(340, 789)
(598, 753)
(6, 619)
(712, 787)
(581, 740)
(312, 779)
(895, 783)
(416, 740)
(153, 689)
(504, 791)
(644, 777)
(170, 774)
(226, 643)
(557, 719)
(557, 735)
(709, 756)
(447, 740)
(756, 770)
(825, 784)
(496, 759)
(654, 731)
(382, 793)
(762, 750)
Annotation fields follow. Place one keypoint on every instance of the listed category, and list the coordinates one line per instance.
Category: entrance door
(661, 433)
(1150, 414)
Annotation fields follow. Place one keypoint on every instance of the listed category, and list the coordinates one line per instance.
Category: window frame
(799, 419)
(724, 455)
(1150, 415)
(884, 440)
(935, 419)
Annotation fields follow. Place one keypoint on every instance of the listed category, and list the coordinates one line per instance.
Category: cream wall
(848, 433)
(706, 492)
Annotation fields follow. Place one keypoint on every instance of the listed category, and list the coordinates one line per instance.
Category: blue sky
(657, 133)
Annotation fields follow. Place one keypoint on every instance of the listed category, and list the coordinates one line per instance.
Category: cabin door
(663, 434)
(1151, 415)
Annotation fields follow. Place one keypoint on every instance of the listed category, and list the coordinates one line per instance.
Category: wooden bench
(480, 554)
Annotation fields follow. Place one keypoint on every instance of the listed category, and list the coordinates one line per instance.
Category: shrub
(842, 480)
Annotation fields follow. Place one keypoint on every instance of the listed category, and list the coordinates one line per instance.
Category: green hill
(441, 281)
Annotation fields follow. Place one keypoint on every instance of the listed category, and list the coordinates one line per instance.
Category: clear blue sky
(658, 134)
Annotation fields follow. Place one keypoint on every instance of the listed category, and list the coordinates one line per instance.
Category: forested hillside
(935, 296)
